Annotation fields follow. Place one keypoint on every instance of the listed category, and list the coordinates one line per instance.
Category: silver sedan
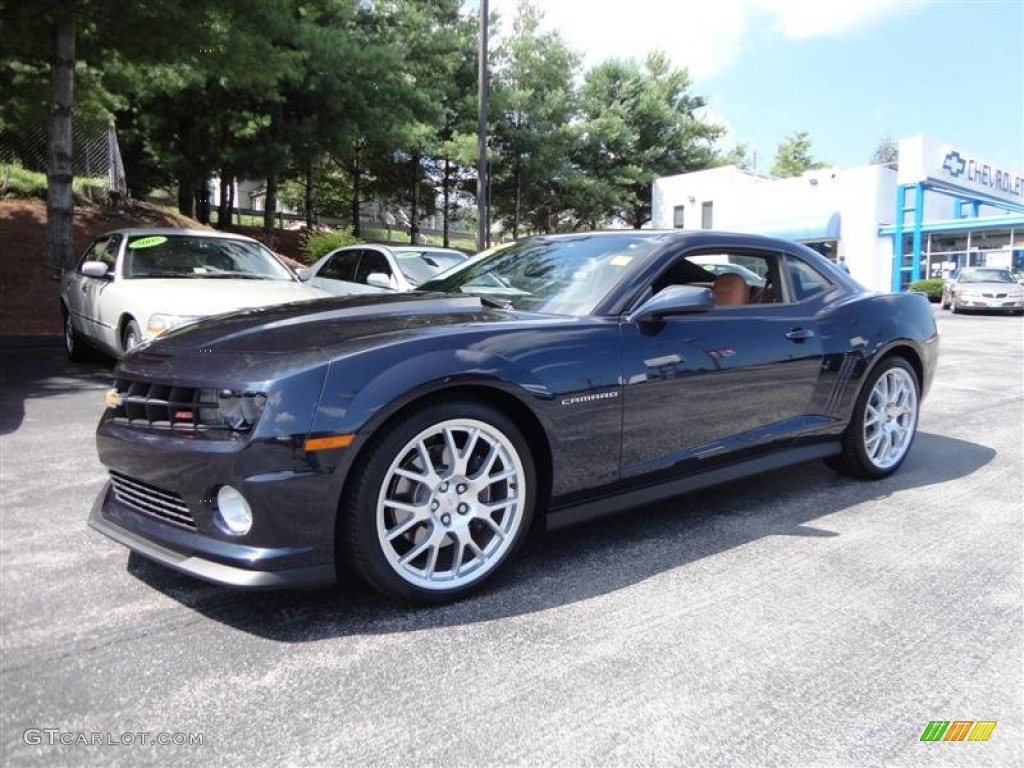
(379, 268)
(983, 288)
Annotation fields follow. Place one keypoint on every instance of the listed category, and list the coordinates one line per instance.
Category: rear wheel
(884, 422)
(76, 350)
(439, 503)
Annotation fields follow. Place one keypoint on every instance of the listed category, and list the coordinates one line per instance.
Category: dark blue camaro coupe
(417, 437)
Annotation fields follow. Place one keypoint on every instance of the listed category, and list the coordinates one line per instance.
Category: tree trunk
(231, 197)
(224, 206)
(414, 214)
(309, 193)
(186, 198)
(60, 206)
(445, 194)
(516, 193)
(202, 195)
(357, 177)
(269, 211)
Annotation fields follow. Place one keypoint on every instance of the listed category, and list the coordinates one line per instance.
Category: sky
(848, 72)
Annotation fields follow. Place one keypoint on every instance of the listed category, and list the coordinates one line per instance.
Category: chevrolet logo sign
(955, 164)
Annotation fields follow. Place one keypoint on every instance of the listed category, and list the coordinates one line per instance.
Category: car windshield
(195, 256)
(564, 275)
(986, 276)
(420, 265)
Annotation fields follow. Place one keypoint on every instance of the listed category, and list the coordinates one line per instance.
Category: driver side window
(103, 250)
(372, 261)
(735, 278)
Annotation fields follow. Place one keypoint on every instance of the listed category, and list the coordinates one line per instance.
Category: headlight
(236, 410)
(160, 323)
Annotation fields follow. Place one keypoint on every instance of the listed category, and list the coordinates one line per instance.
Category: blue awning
(808, 229)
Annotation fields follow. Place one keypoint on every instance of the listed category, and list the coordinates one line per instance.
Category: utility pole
(483, 183)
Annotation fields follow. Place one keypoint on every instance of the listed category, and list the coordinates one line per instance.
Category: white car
(133, 284)
(379, 268)
(983, 288)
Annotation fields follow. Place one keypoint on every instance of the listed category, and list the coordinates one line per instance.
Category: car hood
(201, 297)
(1011, 288)
(313, 331)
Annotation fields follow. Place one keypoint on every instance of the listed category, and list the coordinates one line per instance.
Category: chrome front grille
(150, 500)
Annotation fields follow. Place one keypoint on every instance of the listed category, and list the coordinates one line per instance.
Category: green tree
(794, 157)
(638, 122)
(59, 46)
(532, 104)
(739, 156)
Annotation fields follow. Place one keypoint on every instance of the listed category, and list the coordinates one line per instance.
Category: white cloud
(703, 36)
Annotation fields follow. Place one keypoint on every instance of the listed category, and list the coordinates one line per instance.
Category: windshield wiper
(236, 275)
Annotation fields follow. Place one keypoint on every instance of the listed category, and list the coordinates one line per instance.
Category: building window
(678, 216)
(705, 215)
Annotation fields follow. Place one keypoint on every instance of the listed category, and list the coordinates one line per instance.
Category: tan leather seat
(730, 290)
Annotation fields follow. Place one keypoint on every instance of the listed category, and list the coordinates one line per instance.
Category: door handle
(799, 334)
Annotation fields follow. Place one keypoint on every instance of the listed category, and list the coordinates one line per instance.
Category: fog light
(234, 510)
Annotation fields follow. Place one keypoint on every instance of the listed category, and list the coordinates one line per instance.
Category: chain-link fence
(90, 154)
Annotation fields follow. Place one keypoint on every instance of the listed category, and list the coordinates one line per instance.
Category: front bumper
(208, 570)
(293, 498)
(994, 304)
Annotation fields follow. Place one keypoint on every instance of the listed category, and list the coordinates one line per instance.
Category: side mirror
(380, 280)
(94, 269)
(305, 274)
(673, 300)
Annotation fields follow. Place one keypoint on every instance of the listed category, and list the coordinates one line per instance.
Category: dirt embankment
(29, 290)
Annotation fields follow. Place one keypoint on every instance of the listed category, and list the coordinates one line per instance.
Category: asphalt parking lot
(790, 620)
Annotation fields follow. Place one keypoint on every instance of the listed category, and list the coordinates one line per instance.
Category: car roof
(689, 237)
(170, 231)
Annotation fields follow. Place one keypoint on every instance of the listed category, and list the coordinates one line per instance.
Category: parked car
(983, 288)
(416, 437)
(133, 284)
(379, 268)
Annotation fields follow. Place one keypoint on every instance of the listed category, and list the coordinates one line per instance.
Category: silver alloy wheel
(451, 504)
(890, 418)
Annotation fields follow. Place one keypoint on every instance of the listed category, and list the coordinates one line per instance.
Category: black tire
(457, 527)
(882, 410)
(131, 337)
(75, 348)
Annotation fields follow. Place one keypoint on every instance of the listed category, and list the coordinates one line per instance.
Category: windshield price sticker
(148, 242)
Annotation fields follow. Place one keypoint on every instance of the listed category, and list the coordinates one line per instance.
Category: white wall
(864, 197)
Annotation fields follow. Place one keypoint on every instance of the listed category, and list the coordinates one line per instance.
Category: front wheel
(439, 503)
(77, 351)
(131, 337)
(884, 422)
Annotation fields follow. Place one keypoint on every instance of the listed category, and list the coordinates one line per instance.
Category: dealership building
(941, 208)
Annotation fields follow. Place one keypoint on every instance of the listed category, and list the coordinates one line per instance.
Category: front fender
(358, 397)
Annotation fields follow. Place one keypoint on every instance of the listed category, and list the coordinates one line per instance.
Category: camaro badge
(577, 399)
